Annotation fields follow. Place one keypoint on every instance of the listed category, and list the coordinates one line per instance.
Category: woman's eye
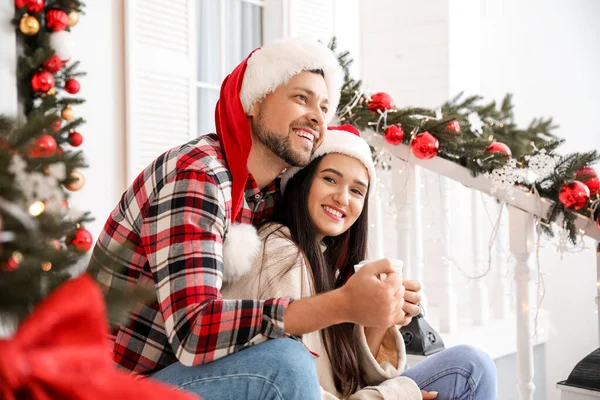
(329, 179)
(302, 98)
(324, 109)
(358, 192)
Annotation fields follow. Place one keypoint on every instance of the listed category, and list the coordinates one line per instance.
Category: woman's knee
(479, 363)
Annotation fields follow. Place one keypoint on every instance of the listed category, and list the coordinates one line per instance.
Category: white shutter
(160, 78)
(8, 55)
(311, 18)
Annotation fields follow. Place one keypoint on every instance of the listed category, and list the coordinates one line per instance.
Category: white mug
(396, 263)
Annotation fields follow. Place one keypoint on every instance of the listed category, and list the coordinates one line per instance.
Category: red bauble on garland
(499, 148)
(34, 6)
(45, 146)
(19, 3)
(380, 102)
(394, 134)
(453, 126)
(72, 86)
(574, 195)
(425, 146)
(42, 81)
(81, 240)
(53, 64)
(57, 19)
(75, 139)
(589, 177)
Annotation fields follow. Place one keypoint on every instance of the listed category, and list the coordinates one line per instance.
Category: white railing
(522, 207)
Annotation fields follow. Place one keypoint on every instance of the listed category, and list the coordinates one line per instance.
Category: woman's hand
(428, 395)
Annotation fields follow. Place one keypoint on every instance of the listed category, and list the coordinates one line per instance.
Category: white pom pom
(61, 43)
(240, 249)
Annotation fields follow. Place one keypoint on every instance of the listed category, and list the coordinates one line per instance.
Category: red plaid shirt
(167, 232)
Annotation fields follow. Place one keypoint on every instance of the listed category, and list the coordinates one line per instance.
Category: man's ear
(254, 110)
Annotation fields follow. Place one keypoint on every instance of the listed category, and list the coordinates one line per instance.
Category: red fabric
(234, 133)
(60, 352)
(347, 127)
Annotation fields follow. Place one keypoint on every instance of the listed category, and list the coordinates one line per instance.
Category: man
(167, 232)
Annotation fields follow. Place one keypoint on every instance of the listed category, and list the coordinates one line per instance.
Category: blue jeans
(458, 373)
(283, 369)
(278, 369)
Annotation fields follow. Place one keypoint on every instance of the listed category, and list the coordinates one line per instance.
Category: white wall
(99, 45)
(546, 53)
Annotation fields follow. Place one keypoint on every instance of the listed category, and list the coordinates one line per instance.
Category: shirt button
(257, 196)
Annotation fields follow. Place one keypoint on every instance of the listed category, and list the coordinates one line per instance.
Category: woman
(317, 235)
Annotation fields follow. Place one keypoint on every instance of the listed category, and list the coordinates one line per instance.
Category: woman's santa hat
(344, 139)
(263, 71)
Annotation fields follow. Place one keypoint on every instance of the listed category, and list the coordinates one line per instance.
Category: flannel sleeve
(182, 235)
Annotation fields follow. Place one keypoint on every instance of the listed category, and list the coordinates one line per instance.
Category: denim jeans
(458, 373)
(279, 369)
(284, 369)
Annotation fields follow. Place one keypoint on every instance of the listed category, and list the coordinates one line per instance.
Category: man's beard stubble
(280, 146)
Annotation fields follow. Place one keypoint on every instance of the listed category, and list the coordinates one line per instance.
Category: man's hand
(371, 301)
(428, 395)
(412, 298)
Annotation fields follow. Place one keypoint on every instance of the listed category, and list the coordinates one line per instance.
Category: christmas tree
(42, 238)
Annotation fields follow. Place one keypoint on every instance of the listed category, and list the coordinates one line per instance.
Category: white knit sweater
(265, 280)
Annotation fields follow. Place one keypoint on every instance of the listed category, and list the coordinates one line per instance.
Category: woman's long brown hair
(342, 253)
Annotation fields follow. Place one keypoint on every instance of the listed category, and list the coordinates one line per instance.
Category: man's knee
(291, 355)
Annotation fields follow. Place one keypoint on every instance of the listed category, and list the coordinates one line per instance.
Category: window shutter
(311, 18)
(160, 79)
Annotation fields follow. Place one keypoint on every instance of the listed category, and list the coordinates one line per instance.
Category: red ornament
(72, 86)
(380, 102)
(19, 3)
(425, 146)
(82, 240)
(75, 139)
(574, 195)
(57, 19)
(499, 148)
(13, 262)
(394, 134)
(45, 146)
(42, 81)
(55, 125)
(34, 6)
(453, 126)
(589, 176)
(53, 64)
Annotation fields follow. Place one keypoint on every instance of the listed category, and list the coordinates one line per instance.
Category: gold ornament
(77, 181)
(50, 92)
(67, 113)
(46, 266)
(73, 18)
(29, 25)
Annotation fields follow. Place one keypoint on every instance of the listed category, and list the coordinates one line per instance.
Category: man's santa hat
(263, 71)
(344, 139)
